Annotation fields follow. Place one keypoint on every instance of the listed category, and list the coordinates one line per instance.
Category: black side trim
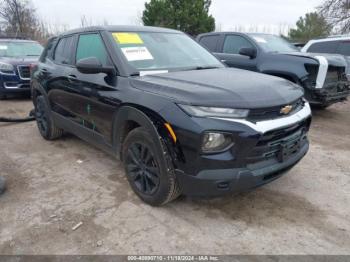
(83, 133)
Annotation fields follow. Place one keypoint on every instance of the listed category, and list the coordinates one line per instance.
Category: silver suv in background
(332, 45)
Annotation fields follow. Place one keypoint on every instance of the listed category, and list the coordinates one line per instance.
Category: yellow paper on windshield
(127, 38)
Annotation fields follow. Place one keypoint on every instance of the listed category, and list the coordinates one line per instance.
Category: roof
(122, 28)
(236, 33)
(328, 39)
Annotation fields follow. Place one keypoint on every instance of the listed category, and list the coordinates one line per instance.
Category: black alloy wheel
(142, 168)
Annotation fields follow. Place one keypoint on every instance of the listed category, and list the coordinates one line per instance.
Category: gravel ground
(53, 186)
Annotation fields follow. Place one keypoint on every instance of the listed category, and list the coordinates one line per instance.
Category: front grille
(24, 72)
(335, 74)
(261, 114)
(310, 81)
(281, 143)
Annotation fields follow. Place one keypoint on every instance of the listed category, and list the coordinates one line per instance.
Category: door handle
(223, 60)
(72, 77)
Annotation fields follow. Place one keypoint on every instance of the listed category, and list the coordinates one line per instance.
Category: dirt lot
(52, 186)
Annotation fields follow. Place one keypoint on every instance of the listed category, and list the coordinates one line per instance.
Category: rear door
(229, 52)
(58, 70)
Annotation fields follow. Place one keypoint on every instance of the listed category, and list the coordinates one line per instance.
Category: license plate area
(288, 149)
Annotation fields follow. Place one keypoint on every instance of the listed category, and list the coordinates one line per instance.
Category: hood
(19, 60)
(224, 87)
(333, 59)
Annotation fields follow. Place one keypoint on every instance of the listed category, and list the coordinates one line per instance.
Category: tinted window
(91, 45)
(48, 51)
(324, 47)
(63, 50)
(344, 48)
(210, 42)
(233, 43)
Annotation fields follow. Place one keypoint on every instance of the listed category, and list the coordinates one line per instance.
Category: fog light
(215, 142)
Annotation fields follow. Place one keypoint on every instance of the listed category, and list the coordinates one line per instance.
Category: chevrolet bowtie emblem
(286, 110)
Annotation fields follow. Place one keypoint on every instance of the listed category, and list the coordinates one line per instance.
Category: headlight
(202, 111)
(215, 142)
(6, 68)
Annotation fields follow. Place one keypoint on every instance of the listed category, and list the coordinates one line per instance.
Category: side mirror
(248, 51)
(92, 65)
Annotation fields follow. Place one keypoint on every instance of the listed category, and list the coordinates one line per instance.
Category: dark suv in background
(181, 122)
(323, 76)
(16, 56)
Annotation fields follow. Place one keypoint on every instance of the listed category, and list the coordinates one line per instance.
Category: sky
(240, 15)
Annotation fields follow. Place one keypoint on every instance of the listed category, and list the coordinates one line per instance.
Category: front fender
(148, 119)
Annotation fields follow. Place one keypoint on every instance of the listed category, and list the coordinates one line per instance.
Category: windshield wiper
(200, 68)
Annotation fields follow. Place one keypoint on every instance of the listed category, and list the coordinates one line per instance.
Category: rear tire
(46, 126)
(149, 169)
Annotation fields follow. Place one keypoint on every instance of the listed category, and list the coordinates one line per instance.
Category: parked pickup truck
(16, 56)
(323, 76)
(181, 122)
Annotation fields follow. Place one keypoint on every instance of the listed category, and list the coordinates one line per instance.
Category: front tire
(148, 168)
(46, 126)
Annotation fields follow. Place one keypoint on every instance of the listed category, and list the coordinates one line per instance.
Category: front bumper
(220, 182)
(14, 85)
(263, 151)
(329, 94)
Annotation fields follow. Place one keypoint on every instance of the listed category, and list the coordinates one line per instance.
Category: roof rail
(339, 36)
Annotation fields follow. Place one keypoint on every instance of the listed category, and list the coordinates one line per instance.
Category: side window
(344, 48)
(63, 51)
(48, 51)
(209, 42)
(91, 45)
(234, 43)
(324, 47)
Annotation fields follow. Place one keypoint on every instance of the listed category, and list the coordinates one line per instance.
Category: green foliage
(309, 27)
(190, 16)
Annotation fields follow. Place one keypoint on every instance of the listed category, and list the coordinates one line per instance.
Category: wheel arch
(131, 116)
(38, 90)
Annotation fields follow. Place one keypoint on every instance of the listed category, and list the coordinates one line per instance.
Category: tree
(311, 26)
(190, 16)
(19, 19)
(337, 13)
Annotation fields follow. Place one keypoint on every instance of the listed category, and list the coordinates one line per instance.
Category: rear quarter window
(48, 51)
(63, 51)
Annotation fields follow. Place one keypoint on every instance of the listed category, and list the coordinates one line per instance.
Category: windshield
(146, 51)
(272, 43)
(20, 49)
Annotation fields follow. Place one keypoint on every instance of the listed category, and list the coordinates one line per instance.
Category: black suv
(323, 76)
(181, 122)
(16, 56)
